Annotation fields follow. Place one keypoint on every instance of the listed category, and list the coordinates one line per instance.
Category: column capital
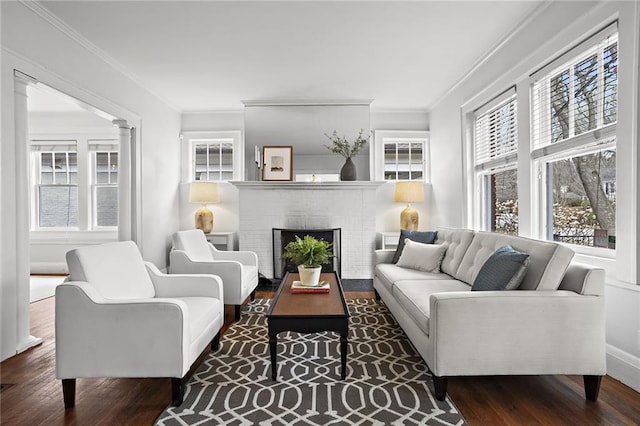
(122, 124)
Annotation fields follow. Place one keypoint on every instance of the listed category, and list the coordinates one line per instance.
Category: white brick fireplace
(301, 205)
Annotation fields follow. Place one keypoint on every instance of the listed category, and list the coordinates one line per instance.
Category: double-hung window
(401, 156)
(56, 185)
(574, 113)
(495, 139)
(74, 184)
(104, 184)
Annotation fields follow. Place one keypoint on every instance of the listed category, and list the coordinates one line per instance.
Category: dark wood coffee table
(308, 313)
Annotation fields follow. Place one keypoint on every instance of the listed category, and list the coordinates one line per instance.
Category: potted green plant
(309, 254)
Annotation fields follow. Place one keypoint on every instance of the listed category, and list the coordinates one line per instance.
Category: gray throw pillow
(503, 270)
(424, 237)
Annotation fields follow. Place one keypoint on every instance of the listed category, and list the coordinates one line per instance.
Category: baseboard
(624, 367)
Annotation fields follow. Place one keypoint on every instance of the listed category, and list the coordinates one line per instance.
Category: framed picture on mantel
(277, 163)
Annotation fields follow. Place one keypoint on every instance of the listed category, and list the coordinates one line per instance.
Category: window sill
(73, 236)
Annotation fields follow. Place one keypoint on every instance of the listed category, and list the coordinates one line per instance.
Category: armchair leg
(215, 343)
(69, 392)
(440, 387)
(592, 387)
(178, 386)
(237, 313)
(377, 295)
(253, 295)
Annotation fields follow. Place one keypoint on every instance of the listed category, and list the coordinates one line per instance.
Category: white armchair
(193, 254)
(120, 317)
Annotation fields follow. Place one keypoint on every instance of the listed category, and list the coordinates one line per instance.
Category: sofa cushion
(413, 296)
(425, 237)
(388, 273)
(423, 257)
(548, 261)
(457, 242)
(503, 270)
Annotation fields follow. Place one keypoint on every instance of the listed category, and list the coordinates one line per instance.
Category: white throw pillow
(423, 257)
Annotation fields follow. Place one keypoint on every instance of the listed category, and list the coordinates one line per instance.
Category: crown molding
(48, 16)
(305, 102)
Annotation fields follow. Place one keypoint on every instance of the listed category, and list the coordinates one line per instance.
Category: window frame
(481, 171)
(384, 137)
(191, 138)
(85, 167)
(110, 150)
(543, 151)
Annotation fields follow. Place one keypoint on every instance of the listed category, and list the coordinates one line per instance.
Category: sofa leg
(253, 295)
(69, 392)
(236, 317)
(592, 387)
(377, 295)
(215, 343)
(178, 386)
(440, 387)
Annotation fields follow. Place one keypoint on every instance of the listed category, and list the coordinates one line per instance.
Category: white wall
(556, 27)
(53, 57)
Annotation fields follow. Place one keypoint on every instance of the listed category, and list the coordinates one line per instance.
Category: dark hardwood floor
(35, 396)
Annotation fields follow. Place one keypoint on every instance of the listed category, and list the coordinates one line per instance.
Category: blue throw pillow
(503, 270)
(424, 237)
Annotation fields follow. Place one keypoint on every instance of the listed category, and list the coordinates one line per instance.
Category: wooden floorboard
(36, 395)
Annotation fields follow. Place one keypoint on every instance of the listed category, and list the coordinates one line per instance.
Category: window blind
(496, 132)
(576, 97)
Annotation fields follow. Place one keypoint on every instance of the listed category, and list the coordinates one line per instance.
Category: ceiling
(212, 55)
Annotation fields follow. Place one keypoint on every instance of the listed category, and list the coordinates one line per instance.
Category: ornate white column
(22, 205)
(124, 180)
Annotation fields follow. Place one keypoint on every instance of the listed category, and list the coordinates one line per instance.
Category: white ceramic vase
(309, 276)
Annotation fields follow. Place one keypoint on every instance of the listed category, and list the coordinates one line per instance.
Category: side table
(223, 240)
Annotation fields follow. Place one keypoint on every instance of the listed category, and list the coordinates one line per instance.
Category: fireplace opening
(282, 237)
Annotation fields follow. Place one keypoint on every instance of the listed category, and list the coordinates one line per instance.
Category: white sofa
(554, 323)
(120, 317)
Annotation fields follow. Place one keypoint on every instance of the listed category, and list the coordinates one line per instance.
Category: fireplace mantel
(359, 184)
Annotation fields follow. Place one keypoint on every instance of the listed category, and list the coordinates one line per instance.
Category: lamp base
(409, 219)
(204, 219)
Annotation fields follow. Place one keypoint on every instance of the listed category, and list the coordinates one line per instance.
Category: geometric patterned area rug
(387, 382)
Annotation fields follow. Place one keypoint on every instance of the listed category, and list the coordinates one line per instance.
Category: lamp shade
(203, 192)
(409, 192)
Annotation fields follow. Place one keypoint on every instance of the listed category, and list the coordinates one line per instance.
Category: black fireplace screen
(282, 237)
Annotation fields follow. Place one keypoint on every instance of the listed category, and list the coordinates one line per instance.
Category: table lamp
(409, 192)
(203, 193)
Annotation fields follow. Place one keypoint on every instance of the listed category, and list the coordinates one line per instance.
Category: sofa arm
(185, 285)
(384, 256)
(583, 279)
(96, 337)
(248, 258)
(516, 332)
(229, 271)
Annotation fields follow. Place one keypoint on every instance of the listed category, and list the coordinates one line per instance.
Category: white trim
(62, 26)
(623, 366)
(304, 102)
(307, 185)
